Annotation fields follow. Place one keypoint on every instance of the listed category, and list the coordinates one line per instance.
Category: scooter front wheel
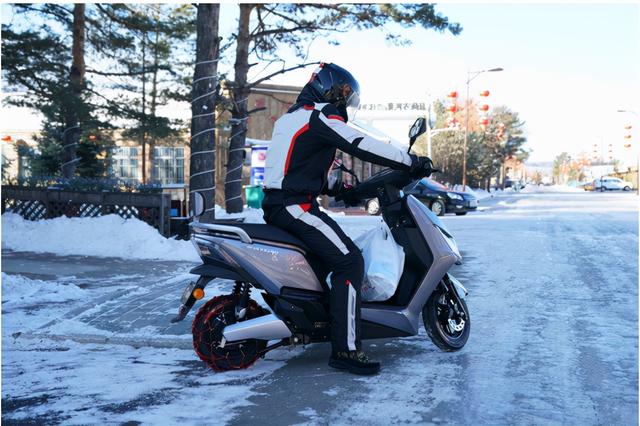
(447, 320)
(207, 328)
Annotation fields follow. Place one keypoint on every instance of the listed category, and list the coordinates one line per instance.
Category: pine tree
(51, 72)
(147, 62)
(487, 149)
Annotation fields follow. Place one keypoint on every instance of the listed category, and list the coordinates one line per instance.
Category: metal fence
(39, 203)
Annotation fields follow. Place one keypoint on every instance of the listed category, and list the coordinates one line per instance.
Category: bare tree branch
(282, 71)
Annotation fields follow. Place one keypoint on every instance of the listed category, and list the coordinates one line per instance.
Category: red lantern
(453, 108)
(6, 138)
(452, 95)
(484, 93)
(484, 121)
(483, 108)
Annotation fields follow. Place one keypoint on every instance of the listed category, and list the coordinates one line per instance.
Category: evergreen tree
(39, 62)
(487, 149)
(147, 68)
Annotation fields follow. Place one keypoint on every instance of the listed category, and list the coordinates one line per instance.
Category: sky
(568, 68)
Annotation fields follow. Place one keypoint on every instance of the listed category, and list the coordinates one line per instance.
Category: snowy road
(553, 282)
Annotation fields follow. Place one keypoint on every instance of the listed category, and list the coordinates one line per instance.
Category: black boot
(355, 362)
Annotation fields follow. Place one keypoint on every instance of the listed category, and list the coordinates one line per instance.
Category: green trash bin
(254, 196)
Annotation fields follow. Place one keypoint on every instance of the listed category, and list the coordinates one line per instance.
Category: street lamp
(471, 75)
(629, 111)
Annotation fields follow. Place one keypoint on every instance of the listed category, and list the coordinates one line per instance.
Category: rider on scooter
(299, 158)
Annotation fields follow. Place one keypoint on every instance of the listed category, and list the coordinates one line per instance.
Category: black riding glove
(346, 193)
(421, 167)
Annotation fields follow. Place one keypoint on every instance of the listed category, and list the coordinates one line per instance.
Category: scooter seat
(262, 232)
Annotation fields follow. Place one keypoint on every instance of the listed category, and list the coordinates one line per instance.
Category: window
(168, 165)
(24, 170)
(124, 164)
(432, 184)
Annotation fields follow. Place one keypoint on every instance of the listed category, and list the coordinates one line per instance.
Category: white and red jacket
(303, 147)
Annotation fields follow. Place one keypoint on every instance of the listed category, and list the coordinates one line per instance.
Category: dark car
(516, 184)
(436, 196)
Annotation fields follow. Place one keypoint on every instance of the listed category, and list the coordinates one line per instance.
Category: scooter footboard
(386, 322)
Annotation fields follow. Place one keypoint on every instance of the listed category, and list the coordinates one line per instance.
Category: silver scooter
(232, 331)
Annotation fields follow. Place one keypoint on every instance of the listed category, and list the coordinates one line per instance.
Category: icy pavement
(553, 282)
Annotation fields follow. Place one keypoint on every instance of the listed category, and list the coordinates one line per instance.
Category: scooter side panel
(407, 318)
(272, 267)
(444, 257)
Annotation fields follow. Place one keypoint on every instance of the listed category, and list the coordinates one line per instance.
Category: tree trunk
(202, 163)
(154, 85)
(235, 159)
(143, 140)
(71, 134)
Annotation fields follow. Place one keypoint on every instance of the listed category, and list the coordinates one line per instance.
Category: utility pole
(637, 150)
(428, 126)
(471, 75)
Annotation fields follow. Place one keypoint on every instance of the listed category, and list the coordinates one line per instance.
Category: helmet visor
(353, 104)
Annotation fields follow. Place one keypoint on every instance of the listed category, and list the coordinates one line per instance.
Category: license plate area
(187, 292)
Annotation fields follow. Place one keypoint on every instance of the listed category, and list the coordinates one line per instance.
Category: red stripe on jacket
(335, 117)
(293, 142)
(306, 206)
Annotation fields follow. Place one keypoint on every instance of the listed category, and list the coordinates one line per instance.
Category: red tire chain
(207, 334)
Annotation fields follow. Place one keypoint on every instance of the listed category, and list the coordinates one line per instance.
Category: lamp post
(471, 75)
(637, 155)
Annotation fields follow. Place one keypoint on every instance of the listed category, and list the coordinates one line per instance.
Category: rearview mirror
(419, 127)
(198, 207)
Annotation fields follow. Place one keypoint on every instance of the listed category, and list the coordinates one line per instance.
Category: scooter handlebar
(369, 188)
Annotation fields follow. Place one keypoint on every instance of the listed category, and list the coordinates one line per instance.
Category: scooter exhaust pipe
(268, 327)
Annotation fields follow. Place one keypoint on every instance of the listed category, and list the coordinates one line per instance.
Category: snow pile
(478, 193)
(19, 291)
(104, 236)
(481, 194)
(113, 236)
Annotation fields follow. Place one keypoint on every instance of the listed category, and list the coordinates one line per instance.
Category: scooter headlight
(452, 245)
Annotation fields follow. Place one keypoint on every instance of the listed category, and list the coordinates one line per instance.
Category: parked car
(516, 184)
(587, 186)
(610, 184)
(436, 196)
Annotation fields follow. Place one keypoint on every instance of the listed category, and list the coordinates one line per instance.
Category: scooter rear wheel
(447, 322)
(207, 328)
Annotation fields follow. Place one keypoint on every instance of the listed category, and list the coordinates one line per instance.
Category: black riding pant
(342, 257)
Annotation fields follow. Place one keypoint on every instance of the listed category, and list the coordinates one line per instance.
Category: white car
(611, 183)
